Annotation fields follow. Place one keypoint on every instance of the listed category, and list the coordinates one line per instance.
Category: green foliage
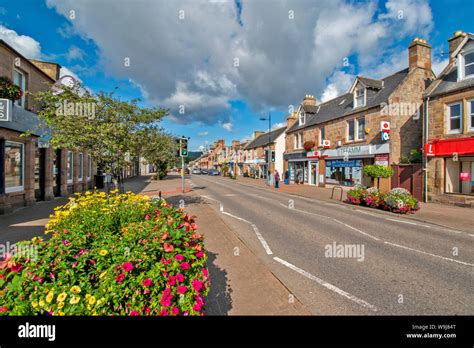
(378, 171)
(413, 157)
(399, 200)
(8, 90)
(110, 255)
(157, 147)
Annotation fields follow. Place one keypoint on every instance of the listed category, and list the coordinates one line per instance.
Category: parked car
(203, 171)
(213, 172)
(196, 171)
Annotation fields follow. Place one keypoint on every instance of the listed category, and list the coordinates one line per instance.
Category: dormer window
(302, 118)
(359, 96)
(466, 64)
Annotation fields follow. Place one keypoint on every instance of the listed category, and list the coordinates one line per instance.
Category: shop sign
(464, 176)
(5, 110)
(381, 159)
(312, 154)
(449, 147)
(350, 150)
(356, 151)
(343, 164)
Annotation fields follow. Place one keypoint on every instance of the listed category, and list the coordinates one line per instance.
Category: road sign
(5, 110)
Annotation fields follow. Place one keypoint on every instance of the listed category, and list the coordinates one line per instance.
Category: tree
(377, 171)
(107, 128)
(158, 148)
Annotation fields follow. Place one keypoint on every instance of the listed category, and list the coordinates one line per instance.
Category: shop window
(459, 175)
(80, 174)
(350, 130)
(19, 79)
(70, 166)
(14, 166)
(454, 118)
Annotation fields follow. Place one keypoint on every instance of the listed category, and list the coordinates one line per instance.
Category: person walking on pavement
(277, 179)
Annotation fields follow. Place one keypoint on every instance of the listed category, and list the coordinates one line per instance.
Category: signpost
(5, 110)
(182, 152)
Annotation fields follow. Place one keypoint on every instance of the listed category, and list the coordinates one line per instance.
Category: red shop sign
(448, 147)
(465, 176)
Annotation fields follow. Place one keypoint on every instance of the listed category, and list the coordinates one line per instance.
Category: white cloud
(26, 45)
(193, 61)
(227, 126)
(75, 53)
(279, 125)
(339, 83)
(203, 134)
(438, 65)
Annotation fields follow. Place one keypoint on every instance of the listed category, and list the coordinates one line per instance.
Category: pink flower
(179, 257)
(127, 266)
(3, 309)
(204, 273)
(147, 217)
(182, 289)
(175, 310)
(74, 265)
(168, 247)
(16, 267)
(197, 285)
(166, 297)
(184, 266)
(197, 307)
(194, 226)
(199, 254)
(180, 277)
(171, 280)
(92, 262)
(147, 282)
(120, 278)
(164, 312)
(134, 313)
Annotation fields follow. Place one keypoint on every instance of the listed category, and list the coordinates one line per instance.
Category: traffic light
(184, 147)
(177, 147)
(273, 156)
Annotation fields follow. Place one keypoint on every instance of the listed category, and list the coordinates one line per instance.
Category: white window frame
(358, 89)
(462, 65)
(356, 128)
(448, 119)
(321, 138)
(23, 88)
(70, 181)
(80, 174)
(89, 167)
(21, 187)
(470, 115)
(347, 130)
(299, 137)
(302, 118)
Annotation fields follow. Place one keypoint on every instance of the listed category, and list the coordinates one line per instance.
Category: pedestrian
(277, 178)
(287, 177)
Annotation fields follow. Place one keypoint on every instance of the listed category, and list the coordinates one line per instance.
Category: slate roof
(447, 80)
(371, 83)
(344, 104)
(263, 139)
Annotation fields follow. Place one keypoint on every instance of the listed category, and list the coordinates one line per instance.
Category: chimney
(257, 134)
(419, 54)
(50, 69)
(291, 119)
(221, 143)
(235, 143)
(454, 42)
(309, 100)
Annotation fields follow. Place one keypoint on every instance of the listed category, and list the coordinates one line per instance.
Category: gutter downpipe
(425, 158)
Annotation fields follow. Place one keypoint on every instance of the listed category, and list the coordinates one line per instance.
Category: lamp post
(269, 119)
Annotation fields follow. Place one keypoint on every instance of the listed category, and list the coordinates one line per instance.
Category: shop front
(303, 167)
(344, 165)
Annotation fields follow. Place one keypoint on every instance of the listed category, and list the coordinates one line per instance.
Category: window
(70, 166)
(359, 97)
(361, 129)
(89, 167)
(455, 118)
(81, 167)
(14, 166)
(302, 118)
(19, 80)
(470, 115)
(350, 130)
(299, 140)
(322, 136)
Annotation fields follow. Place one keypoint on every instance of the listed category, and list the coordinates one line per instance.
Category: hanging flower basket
(8, 90)
(309, 145)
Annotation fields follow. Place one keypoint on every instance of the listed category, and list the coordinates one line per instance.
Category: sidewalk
(241, 284)
(458, 218)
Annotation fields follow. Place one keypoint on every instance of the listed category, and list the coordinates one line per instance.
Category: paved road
(402, 267)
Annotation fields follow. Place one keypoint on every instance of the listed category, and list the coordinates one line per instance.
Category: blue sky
(228, 63)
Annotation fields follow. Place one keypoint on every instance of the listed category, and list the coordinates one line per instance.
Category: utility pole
(269, 145)
(183, 152)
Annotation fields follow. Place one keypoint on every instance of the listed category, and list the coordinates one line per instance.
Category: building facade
(449, 127)
(377, 122)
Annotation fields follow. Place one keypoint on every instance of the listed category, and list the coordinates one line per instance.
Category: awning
(449, 147)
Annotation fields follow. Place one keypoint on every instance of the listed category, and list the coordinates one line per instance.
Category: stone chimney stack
(454, 42)
(309, 100)
(291, 119)
(50, 69)
(235, 143)
(419, 54)
(256, 134)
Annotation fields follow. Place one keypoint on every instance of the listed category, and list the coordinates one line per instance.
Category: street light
(269, 119)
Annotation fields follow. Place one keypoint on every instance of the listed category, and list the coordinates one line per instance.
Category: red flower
(168, 247)
(197, 285)
(120, 278)
(185, 266)
(3, 309)
(147, 282)
(180, 277)
(204, 272)
(171, 280)
(175, 310)
(127, 266)
(197, 307)
(134, 313)
(199, 254)
(16, 267)
(164, 312)
(182, 289)
(179, 257)
(92, 262)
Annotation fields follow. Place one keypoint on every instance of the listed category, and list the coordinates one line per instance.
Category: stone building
(347, 131)
(449, 127)
(30, 170)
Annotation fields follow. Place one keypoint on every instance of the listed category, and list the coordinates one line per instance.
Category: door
(313, 173)
(40, 154)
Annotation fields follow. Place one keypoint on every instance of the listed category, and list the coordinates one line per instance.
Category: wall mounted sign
(464, 176)
(382, 159)
(5, 110)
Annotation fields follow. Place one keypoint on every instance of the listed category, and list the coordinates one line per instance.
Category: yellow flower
(34, 304)
(41, 303)
(91, 300)
(61, 313)
(74, 300)
(62, 296)
(103, 252)
(75, 289)
(102, 274)
(60, 305)
(50, 297)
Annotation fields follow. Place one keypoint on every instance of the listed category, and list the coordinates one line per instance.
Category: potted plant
(309, 145)
(8, 90)
(377, 171)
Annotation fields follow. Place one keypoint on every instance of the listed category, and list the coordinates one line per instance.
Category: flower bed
(110, 255)
(398, 200)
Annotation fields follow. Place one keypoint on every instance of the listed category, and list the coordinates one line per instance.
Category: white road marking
(327, 285)
(303, 211)
(425, 253)
(357, 230)
(408, 222)
(255, 228)
(230, 195)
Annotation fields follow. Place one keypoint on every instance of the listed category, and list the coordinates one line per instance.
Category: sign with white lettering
(5, 110)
